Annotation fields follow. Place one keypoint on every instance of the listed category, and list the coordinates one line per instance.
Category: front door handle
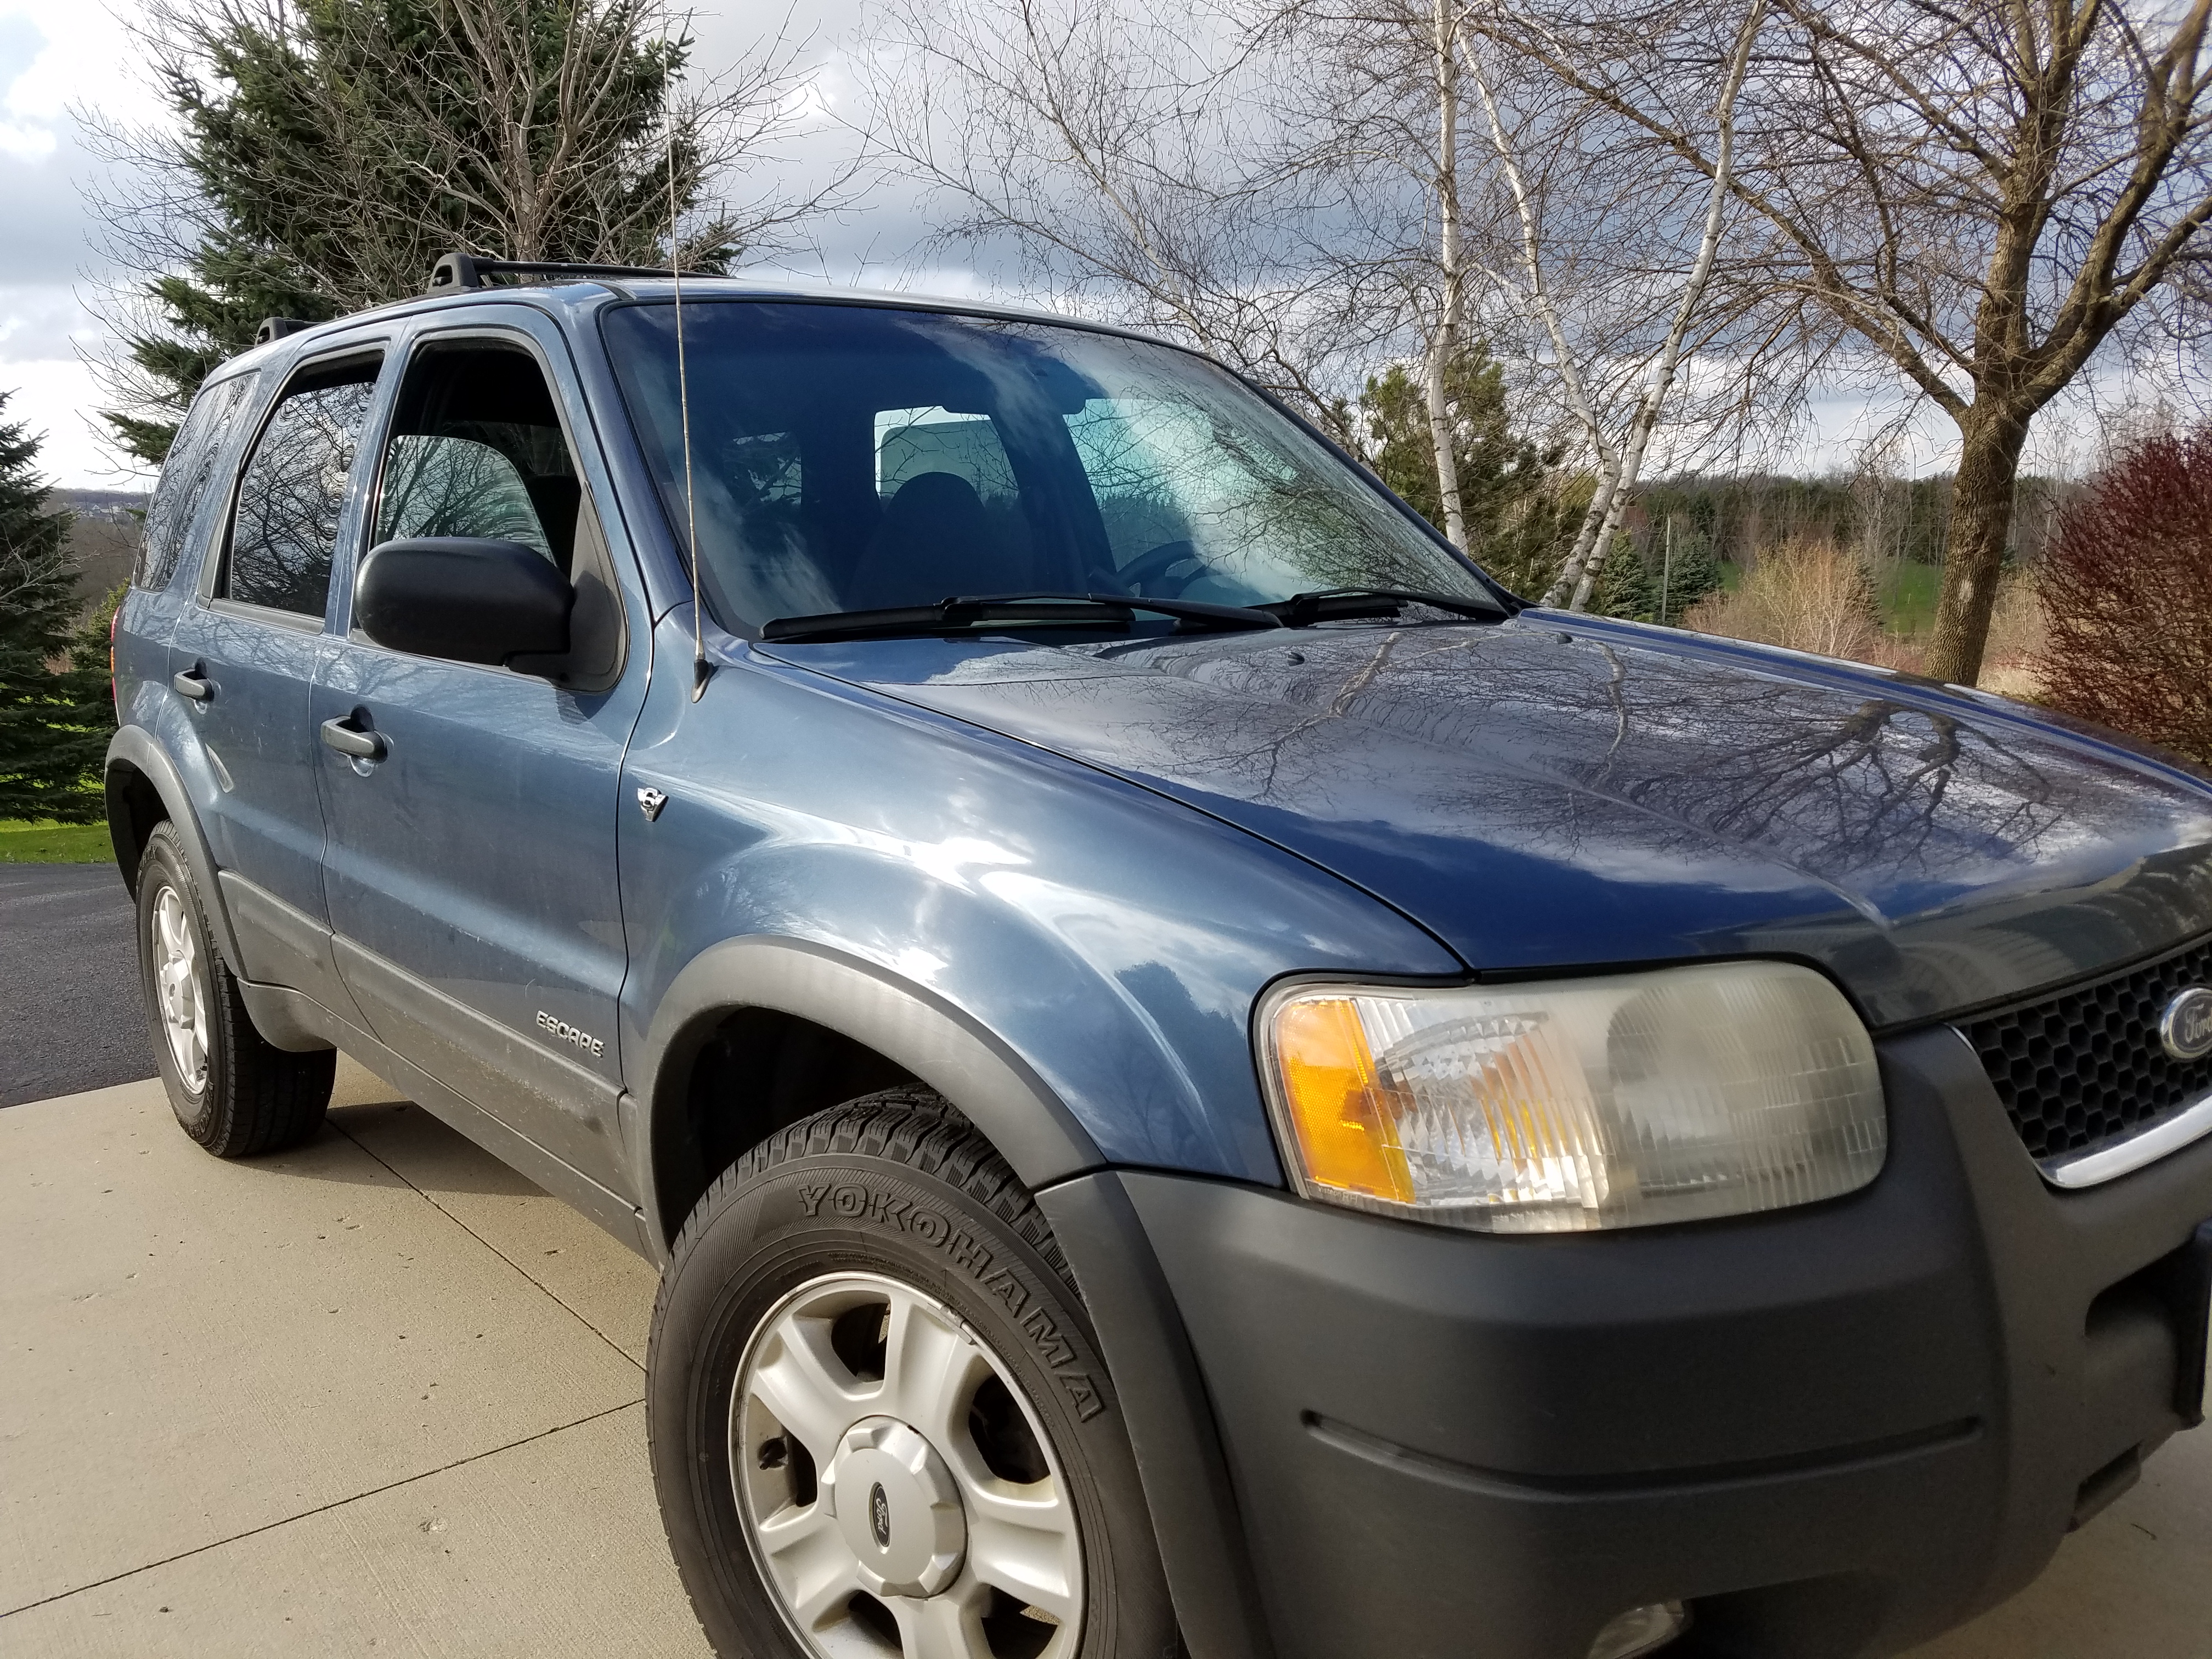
(351, 740)
(192, 682)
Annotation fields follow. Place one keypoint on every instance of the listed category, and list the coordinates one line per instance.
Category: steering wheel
(1158, 565)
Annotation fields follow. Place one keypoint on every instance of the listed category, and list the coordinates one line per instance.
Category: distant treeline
(1735, 519)
(103, 536)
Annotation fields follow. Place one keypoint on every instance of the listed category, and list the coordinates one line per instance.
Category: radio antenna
(699, 668)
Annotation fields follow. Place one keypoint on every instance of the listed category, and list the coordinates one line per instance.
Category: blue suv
(1202, 1078)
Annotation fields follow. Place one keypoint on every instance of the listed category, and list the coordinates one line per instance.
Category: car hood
(1552, 792)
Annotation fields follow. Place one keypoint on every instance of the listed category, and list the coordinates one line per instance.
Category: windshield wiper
(1346, 603)
(1011, 611)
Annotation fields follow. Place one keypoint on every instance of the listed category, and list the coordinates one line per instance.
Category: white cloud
(86, 53)
(57, 397)
(56, 59)
(42, 328)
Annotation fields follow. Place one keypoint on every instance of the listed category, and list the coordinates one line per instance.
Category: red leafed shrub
(2127, 590)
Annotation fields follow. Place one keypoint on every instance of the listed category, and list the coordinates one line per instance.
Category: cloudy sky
(60, 56)
(53, 57)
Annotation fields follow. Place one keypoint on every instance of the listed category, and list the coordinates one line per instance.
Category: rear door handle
(349, 739)
(192, 682)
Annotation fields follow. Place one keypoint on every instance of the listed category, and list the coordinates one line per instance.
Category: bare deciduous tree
(1121, 153)
(1981, 193)
(1621, 462)
(1306, 188)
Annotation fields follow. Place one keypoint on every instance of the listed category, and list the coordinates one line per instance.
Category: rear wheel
(881, 1428)
(233, 1090)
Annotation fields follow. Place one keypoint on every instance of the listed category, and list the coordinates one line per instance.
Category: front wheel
(881, 1427)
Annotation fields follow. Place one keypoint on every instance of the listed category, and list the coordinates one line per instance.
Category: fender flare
(134, 748)
(1178, 1450)
(939, 1043)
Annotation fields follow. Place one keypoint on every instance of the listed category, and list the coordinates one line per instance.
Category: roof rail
(276, 328)
(459, 270)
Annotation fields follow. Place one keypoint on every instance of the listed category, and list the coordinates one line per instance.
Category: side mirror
(465, 598)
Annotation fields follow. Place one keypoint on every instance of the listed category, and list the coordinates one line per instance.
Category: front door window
(294, 489)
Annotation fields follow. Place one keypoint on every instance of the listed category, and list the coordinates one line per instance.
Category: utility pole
(1666, 569)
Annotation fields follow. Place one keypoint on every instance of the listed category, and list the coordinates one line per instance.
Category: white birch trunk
(1587, 563)
(1533, 299)
(1443, 339)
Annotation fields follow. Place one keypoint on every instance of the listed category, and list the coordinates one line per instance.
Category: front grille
(2086, 1066)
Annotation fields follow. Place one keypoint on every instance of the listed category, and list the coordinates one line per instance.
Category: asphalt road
(69, 1013)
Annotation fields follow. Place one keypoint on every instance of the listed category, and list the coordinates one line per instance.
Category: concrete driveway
(382, 1396)
(378, 1395)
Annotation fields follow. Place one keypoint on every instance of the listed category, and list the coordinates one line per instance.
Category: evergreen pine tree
(208, 312)
(1624, 588)
(1498, 473)
(54, 719)
(1692, 574)
(334, 149)
(1652, 586)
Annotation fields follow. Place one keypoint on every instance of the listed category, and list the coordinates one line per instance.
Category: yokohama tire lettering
(851, 1201)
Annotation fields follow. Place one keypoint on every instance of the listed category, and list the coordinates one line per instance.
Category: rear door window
(186, 474)
(293, 490)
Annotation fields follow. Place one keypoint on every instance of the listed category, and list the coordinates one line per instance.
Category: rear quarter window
(187, 479)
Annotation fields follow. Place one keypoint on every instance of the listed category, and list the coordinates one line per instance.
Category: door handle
(192, 682)
(351, 740)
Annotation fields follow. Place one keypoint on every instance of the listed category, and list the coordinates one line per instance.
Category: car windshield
(850, 458)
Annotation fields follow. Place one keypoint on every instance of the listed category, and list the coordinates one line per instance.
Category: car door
(470, 869)
(243, 658)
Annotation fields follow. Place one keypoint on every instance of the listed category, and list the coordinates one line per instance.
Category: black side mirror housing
(466, 598)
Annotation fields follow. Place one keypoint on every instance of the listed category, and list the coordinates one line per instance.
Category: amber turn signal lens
(1329, 1083)
(1622, 1100)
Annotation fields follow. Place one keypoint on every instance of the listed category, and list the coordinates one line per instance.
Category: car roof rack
(276, 328)
(459, 270)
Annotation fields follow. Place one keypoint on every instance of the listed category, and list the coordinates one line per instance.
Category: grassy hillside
(54, 843)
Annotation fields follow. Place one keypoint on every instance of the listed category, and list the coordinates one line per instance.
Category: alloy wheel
(180, 987)
(899, 1496)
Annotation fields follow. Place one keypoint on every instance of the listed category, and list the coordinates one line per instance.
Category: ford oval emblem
(879, 1514)
(2185, 1028)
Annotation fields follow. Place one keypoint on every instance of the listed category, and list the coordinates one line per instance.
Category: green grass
(1908, 598)
(54, 843)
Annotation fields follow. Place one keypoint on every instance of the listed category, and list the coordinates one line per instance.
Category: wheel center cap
(898, 1507)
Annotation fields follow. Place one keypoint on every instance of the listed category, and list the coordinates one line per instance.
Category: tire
(884, 1250)
(233, 1090)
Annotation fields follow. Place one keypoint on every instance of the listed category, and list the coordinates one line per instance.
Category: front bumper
(1835, 1431)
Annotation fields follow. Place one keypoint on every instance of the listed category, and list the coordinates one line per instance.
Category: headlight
(1567, 1105)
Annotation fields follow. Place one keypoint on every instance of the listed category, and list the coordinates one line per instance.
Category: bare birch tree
(1981, 193)
(1444, 346)
(1304, 187)
(1620, 459)
(1552, 221)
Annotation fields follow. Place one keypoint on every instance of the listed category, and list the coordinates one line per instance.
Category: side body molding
(133, 748)
(936, 1042)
